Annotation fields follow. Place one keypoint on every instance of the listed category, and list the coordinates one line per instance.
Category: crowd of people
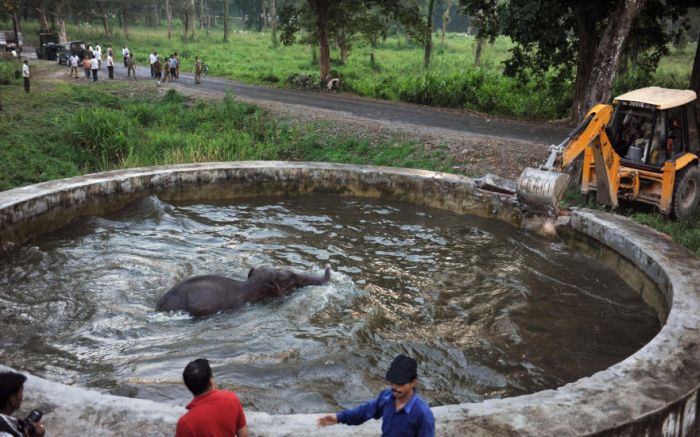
(214, 412)
(162, 70)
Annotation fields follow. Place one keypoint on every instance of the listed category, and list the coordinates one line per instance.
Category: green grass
(65, 129)
(397, 74)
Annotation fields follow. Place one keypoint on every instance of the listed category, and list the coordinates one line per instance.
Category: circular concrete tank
(653, 392)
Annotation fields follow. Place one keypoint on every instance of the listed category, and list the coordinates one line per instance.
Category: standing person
(173, 66)
(197, 70)
(403, 412)
(166, 72)
(11, 397)
(73, 61)
(94, 66)
(98, 54)
(152, 59)
(86, 67)
(110, 65)
(177, 65)
(156, 70)
(25, 75)
(212, 412)
(131, 66)
(125, 55)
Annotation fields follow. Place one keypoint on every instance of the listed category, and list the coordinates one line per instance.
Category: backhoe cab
(644, 148)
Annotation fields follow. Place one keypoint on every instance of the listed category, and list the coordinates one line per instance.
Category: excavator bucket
(541, 190)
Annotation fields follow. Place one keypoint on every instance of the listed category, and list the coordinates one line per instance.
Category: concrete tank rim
(663, 371)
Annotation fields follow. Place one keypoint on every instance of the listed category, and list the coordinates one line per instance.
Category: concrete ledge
(652, 392)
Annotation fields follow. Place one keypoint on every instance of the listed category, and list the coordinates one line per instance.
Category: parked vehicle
(70, 48)
(48, 46)
(644, 147)
(9, 41)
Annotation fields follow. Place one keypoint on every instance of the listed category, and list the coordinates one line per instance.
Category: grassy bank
(396, 73)
(63, 129)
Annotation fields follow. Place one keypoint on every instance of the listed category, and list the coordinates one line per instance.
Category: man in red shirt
(212, 413)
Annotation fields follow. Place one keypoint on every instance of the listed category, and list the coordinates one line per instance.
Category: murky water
(489, 311)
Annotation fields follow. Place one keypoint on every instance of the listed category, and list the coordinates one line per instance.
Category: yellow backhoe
(644, 147)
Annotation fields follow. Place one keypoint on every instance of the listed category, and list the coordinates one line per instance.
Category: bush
(8, 72)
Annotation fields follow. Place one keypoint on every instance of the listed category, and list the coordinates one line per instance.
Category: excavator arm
(543, 188)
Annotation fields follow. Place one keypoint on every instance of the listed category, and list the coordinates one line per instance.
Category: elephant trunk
(304, 280)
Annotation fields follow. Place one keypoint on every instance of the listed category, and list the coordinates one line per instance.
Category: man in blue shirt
(403, 412)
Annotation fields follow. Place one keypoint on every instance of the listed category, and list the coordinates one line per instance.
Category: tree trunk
(202, 14)
(695, 81)
(61, 22)
(226, 19)
(607, 56)
(341, 39)
(125, 19)
(273, 22)
(445, 21)
(429, 35)
(695, 75)
(479, 47)
(16, 25)
(186, 24)
(586, 55)
(192, 14)
(105, 19)
(169, 15)
(43, 19)
(263, 16)
(320, 7)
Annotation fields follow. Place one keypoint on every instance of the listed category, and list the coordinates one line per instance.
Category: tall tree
(320, 9)
(607, 56)
(445, 21)
(484, 16)
(695, 75)
(580, 42)
(273, 19)
(169, 16)
(226, 20)
(428, 34)
(13, 7)
(59, 15)
(105, 18)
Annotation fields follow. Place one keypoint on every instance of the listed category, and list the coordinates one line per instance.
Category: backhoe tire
(686, 193)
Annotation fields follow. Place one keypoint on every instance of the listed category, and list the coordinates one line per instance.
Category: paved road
(427, 117)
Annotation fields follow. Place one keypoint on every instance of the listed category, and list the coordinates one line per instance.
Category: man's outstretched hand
(329, 419)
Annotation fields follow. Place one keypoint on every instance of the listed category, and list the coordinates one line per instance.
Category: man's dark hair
(197, 375)
(10, 384)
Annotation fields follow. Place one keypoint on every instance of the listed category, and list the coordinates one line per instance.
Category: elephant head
(279, 282)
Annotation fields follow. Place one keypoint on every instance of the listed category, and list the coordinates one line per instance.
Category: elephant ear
(276, 289)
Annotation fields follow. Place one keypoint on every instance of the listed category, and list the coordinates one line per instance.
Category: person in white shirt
(153, 58)
(73, 62)
(98, 56)
(94, 66)
(110, 66)
(25, 75)
(125, 55)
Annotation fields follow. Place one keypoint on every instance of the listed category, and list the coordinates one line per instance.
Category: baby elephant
(205, 295)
